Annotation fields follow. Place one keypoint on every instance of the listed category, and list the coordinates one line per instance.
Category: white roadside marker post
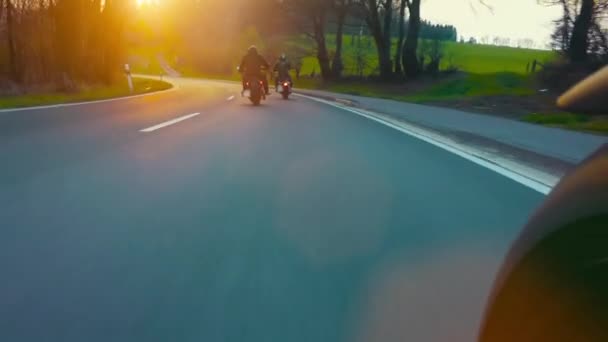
(129, 77)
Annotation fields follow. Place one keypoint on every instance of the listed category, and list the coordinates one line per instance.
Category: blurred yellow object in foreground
(590, 94)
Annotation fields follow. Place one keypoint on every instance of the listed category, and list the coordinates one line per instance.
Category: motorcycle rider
(252, 64)
(282, 67)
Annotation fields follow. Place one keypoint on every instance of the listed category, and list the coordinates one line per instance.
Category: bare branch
(483, 3)
(487, 6)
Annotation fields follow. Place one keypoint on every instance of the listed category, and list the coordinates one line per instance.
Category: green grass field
(488, 70)
(141, 86)
(477, 59)
(502, 83)
(489, 59)
(464, 85)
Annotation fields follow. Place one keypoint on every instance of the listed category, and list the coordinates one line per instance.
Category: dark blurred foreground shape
(553, 285)
(590, 95)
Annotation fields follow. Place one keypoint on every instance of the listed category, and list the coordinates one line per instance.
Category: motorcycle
(254, 89)
(284, 88)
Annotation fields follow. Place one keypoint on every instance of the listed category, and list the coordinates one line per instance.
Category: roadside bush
(430, 54)
(561, 75)
(451, 66)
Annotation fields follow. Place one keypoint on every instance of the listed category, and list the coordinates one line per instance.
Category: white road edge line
(518, 177)
(72, 104)
(169, 123)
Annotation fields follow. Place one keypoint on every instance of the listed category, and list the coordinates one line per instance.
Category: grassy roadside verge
(141, 86)
(470, 85)
(579, 122)
(501, 94)
(427, 90)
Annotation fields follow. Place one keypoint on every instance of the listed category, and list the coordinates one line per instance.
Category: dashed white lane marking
(514, 172)
(168, 123)
(230, 98)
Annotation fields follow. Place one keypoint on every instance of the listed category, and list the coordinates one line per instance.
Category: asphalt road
(293, 221)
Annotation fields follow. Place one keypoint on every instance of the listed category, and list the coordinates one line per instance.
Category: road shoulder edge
(526, 173)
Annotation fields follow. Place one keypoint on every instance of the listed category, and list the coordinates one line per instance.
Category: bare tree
(528, 43)
(561, 36)
(319, 18)
(10, 32)
(63, 41)
(341, 9)
(379, 16)
(578, 31)
(311, 17)
(409, 59)
(433, 52)
(579, 42)
(399, 50)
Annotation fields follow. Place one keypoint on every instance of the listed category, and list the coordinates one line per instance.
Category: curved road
(293, 221)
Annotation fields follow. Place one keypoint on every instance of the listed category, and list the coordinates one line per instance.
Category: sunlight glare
(145, 2)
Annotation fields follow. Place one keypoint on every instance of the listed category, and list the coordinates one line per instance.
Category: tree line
(578, 33)
(61, 42)
(65, 42)
(432, 31)
(312, 17)
(428, 30)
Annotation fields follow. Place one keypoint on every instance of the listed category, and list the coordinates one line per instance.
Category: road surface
(192, 216)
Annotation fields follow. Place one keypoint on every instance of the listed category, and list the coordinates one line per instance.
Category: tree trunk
(68, 40)
(579, 42)
(410, 60)
(95, 44)
(385, 61)
(398, 64)
(2, 7)
(322, 53)
(10, 32)
(337, 65)
(565, 32)
(382, 35)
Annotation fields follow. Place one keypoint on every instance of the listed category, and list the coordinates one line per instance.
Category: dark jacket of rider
(282, 68)
(253, 63)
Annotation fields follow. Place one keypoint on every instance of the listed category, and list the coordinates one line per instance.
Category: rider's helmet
(283, 57)
(253, 50)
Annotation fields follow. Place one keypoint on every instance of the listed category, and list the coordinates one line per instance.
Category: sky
(514, 19)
